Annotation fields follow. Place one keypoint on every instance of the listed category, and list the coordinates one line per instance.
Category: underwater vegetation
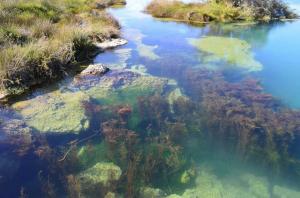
(247, 121)
(55, 112)
(233, 51)
(142, 145)
(63, 111)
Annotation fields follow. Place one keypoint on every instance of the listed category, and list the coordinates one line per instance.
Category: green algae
(128, 94)
(62, 111)
(55, 112)
(187, 176)
(89, 155)
(234, 51)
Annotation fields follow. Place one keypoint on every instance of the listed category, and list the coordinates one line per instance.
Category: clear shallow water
(164, 124)
(275, 46)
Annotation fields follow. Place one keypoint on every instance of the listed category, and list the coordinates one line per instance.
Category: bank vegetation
(221, 10)
(41, 39)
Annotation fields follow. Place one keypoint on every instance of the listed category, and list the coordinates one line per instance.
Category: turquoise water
(186, 111)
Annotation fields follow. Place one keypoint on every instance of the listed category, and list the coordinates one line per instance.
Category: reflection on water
(172, 119)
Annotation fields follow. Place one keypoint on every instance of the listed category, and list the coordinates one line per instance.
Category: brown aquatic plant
(154, 111)
(241, 116)
(73, 187)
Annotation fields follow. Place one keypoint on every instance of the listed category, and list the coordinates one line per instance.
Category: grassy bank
(41, 39)
(220, 10)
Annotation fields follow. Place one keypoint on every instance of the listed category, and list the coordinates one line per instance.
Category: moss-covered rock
(147, 192)
(55, 112)
(97, 179)
(233, 51)
(187, 176)
(63, 110)
(124, 87)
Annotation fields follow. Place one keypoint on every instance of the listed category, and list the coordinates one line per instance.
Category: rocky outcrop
(112, 43)
(96, 69)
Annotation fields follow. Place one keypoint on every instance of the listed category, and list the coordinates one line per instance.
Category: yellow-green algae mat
(234, 51)
(62, 111)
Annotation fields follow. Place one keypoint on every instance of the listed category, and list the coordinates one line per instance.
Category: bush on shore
(220, 10)
(40, 39)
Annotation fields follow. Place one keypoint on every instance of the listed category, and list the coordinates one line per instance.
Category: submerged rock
(113, 79)
(96, 179)
(127, 90)
(187, 176)
(62, 111)
(120, 86)
(234, 51)
(55, 112)
(147, 192)
(112, 43)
